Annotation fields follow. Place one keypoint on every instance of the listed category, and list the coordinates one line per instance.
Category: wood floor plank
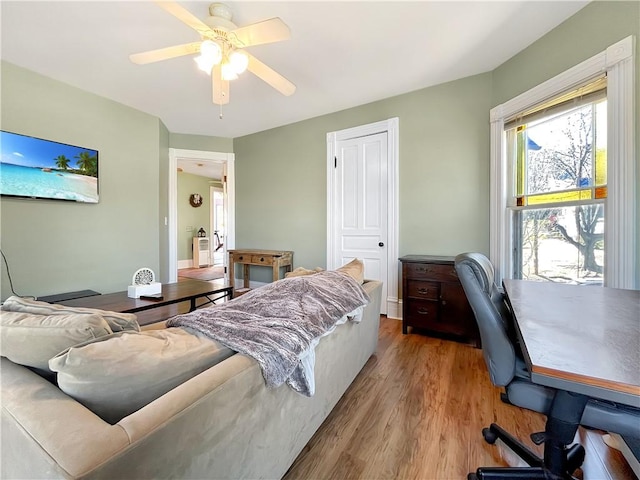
(416, 411)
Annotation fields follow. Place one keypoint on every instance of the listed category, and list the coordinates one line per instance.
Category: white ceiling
(340, 55)
(198, 167)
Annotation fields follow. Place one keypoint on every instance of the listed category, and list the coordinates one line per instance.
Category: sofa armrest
(44, 430)
(145, 421)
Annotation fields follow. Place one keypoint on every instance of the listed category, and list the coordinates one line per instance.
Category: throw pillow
(119, 374)
(31, 340)
(301, 271)
(118, 322)
(355, 269)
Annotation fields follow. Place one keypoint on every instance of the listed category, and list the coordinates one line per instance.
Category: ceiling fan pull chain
(220, 112)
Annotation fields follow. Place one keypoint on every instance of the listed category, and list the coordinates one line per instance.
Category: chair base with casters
(536, 470)
(560, 459)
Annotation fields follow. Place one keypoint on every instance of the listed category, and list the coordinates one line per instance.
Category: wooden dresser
(433, 299)
(269, 258)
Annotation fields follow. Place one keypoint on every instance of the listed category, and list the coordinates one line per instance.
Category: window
(563, 190)
(558, 188)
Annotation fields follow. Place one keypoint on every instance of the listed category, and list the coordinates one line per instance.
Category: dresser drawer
(421, 313)
(422, 271)
(426, 314)
(261, 260)
(420, 289)
(422, 309)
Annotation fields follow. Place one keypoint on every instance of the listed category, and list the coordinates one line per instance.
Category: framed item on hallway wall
(195, 200)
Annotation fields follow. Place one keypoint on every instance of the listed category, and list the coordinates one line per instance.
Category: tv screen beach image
(37, 168)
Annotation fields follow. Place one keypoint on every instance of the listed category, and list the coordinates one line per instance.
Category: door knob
(381, 244)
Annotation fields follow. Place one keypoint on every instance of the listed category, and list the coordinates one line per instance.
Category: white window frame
(620, 210)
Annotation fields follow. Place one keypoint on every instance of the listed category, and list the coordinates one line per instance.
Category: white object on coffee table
(143, 283)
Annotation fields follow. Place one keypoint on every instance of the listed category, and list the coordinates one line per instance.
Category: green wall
(443, 165)
(55, 246)
(587, 33)
(188, 216)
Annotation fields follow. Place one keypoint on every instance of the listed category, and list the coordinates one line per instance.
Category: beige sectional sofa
(222, 423)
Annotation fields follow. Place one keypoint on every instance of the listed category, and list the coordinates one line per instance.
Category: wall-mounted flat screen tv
(36, 168)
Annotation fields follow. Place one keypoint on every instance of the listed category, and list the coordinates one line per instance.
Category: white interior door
(360, 205)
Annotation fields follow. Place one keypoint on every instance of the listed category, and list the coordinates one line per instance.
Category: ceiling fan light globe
(211, 50)
(239, 61)
(228, 72)
(204, 64)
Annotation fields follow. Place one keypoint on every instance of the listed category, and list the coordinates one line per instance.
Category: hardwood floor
(204, 273)
(416, 411)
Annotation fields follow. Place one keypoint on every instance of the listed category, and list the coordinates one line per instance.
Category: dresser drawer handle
(262, 259)
(240, 257)
(423, 311)
(423, 291)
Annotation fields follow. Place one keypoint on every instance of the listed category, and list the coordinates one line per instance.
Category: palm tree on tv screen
(87, 163)
(62, 162)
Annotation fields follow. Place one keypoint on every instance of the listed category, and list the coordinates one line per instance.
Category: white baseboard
(185, 263)
(189, 264)
(394, 309)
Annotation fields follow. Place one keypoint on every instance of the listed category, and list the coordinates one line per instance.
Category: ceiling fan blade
(268, 31)
(185, 16)
(220, 87)
(270, 76)
(165, 53)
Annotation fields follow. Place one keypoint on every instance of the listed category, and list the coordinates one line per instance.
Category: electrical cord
(6, 264)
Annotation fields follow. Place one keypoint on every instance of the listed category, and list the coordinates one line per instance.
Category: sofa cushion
(117, 321)
(301, 271)
(117, 375)
(31, 340)
(355, 269)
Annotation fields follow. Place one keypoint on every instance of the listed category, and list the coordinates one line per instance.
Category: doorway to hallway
(225, 206)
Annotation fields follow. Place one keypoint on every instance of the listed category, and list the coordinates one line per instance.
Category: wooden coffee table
(172, 293)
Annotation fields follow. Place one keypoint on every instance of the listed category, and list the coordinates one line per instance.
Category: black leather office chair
(507, 369)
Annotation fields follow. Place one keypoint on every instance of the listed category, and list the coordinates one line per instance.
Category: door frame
(217, 157)
(391, 127)
(215, 187)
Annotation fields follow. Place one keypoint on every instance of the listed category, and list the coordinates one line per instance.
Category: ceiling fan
(222, 48)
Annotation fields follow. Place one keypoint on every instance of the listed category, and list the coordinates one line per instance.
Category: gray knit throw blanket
(277, 322)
